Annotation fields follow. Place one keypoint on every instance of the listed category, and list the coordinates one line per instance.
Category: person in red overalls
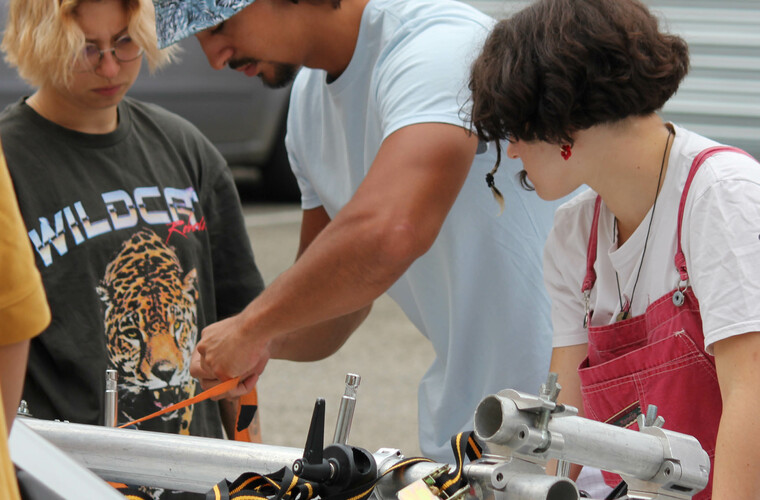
(654, 273)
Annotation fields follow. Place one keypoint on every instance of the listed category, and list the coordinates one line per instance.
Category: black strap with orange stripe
(284, 485)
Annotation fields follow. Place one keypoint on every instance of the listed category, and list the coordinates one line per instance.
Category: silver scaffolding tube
(187, 463)
(521, 432)
(196, 464)
(161, 460)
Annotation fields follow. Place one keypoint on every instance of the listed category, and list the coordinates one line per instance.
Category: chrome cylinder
(346, 409)
(111, 405)
(563, 468)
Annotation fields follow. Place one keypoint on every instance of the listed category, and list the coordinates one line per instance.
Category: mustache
(239, 63)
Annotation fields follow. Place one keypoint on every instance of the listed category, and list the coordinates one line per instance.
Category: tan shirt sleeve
(24, 311)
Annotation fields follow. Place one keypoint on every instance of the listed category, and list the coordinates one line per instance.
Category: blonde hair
(43, 40)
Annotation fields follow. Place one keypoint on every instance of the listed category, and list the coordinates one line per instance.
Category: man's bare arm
(393, 218)
(324, 339)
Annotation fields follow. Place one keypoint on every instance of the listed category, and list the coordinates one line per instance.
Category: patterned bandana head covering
(178, 19)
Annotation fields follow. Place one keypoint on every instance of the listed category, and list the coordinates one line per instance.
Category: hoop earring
(566, 151)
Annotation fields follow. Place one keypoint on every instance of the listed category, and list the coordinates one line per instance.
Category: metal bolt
(23, 409)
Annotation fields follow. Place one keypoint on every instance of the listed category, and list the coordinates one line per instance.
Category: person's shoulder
(433, 26)
(146, 111)
(306, 91)
(726, 164)
(572, 226)
(10, 115)
(304, 80)
(20, 127)
(430, 11)
(151, 119)
(688, 144)
(578, 206)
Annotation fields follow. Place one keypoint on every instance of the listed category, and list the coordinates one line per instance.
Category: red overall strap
(680, 259)
(590, 279)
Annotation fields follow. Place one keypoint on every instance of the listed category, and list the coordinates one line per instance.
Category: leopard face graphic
(151, 327)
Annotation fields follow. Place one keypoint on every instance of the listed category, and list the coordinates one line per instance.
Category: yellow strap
(459, 460)
(245, 483)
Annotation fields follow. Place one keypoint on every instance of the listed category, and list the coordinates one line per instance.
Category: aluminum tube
(346, 410)
(538, 487)
(516, 480)
(54, 468)
(111, 405)
(190, 463)
(623, 451)
(186, 463)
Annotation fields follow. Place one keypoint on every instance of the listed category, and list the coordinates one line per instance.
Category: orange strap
(250, 399)
(214, 391)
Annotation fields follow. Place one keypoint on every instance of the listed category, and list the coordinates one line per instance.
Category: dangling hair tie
(492, 183)
(489, 180)
(495, 191)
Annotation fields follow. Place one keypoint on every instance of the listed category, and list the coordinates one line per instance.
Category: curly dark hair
(559, 66)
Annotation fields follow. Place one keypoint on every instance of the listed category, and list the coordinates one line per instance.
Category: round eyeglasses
(123, 50)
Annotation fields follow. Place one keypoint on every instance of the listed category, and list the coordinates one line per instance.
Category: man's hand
(226, 352)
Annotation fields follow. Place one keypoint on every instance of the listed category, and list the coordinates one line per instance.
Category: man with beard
(392, 196)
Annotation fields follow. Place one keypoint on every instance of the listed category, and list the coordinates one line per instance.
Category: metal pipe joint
(655, 462)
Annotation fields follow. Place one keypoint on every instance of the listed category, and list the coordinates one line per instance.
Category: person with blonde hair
(42, 38)
(132, 214)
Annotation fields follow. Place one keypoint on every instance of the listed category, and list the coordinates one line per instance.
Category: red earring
(566, 151)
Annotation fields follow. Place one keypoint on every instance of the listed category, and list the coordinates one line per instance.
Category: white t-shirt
(478, 293)
(720, 239)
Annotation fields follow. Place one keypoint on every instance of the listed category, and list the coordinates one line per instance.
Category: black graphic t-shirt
(140, 240)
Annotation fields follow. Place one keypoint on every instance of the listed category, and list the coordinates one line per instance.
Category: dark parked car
(244, 119)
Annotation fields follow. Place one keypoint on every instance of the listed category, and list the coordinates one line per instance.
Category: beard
(283, 74)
